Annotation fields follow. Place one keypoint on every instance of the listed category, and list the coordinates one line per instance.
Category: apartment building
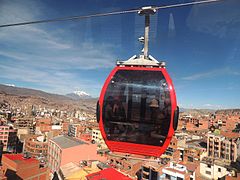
(4, 131)
(216, 169)
(222, 150)
(75, 130)
(36, 145)
(8, 136)
(64, 149)
(224, 145)
(97, 136)
(25, 123)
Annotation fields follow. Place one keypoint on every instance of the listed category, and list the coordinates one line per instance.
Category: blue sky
(201, 45)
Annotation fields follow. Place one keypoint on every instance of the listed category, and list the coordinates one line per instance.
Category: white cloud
(51, 81)
(14, 55)
(212, 106)
(50, 47)
(171, 26)
(42, 56)
(216, 18)
(203, 106)
(212, 73)
(32, 44)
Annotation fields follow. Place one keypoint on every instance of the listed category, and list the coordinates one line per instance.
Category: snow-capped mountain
(76, 95)
(81, 93)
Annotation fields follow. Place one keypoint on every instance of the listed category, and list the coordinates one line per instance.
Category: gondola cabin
(137, 110)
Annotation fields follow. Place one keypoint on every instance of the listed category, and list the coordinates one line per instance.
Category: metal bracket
(144, 60)
(141, 61)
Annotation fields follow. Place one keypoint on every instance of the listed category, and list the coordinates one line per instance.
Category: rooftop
(81, 174)
(28, 174)
(174, 170)
(69, 169)
(230, 134)
(191, 166)
(18, 158)
(109, 173)
(220, 162)
(226, 134)
(66, 142)
(154, 165)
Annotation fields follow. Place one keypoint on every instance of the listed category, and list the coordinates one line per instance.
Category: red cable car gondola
(137, 109)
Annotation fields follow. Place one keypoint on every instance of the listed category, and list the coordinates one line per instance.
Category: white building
(216, 168)
(97, 136)
(73, 130)
(178, 172)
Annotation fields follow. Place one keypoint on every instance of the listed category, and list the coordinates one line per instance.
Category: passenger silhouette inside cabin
(118, 110)
(137, 108)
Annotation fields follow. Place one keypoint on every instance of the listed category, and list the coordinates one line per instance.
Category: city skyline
(200, 44)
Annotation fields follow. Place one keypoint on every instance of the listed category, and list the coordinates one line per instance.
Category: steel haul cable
(73, 18)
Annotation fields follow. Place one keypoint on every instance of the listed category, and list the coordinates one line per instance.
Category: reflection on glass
(137, 107)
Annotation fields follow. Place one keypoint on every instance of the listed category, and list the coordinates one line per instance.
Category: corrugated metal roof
(66, 142)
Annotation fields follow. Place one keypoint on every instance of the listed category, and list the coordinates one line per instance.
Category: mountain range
(17, 96)
(77, 100)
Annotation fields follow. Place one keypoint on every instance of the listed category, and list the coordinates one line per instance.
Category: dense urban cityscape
(40, 141)
(167, 109)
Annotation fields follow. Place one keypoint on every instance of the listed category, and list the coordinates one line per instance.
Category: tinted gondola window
(137, 107)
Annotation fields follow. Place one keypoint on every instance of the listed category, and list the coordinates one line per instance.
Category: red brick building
(36, 145)
(227, 119)
(64, 149)
(128, 166)
(86, 136)
(17, 167)
(7, 135)
(43, 125)
(65, 126)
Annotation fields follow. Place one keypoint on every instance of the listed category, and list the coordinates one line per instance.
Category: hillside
(18, 97)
